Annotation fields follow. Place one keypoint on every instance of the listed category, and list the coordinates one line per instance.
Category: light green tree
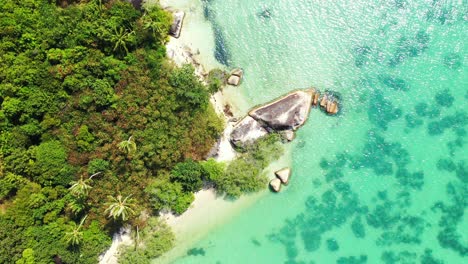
(75, 236)
(128, 145)
(81, 187)
(118, 208)
(121, 38)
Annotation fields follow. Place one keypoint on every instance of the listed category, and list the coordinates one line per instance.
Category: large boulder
(284, 175)
(246, 132)
(234, 80)
(235, 77)
(176, 27)
(275, 184)
(286, 113)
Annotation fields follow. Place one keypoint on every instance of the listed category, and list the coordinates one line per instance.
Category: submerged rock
(247, 131)
(176, 27)
(275, 184)
(284, 175)
(287, 113)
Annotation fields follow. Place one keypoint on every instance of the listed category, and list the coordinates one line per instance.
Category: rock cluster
(176, 27)
(246, 132)
(282, 177)
(284, 115)
(329, 103)
(236, 77)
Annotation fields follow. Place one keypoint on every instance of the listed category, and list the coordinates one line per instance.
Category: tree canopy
(85, 88)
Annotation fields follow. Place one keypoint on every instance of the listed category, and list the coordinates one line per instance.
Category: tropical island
(100, 130)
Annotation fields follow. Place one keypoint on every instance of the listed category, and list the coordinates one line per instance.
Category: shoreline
(208, 211)
(180, 51)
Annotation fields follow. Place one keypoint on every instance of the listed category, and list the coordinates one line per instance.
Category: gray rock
(246, 132)
(275, 184)
(176, 27)
(330, 104)
(238, 72)
(284, 175)
(289, 135)
(234, 80)
(286, 113)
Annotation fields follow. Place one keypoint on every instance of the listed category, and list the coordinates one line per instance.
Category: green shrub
(213, 169)
(189, 174)
(190, 91)
(155, 239)
(216, 79)
(169, 195)
(97, 165)
(244, 175)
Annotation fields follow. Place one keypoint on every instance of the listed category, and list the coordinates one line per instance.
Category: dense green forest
(91, 114)
(98, 129)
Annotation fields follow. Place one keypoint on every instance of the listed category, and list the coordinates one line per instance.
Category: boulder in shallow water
(289, 135)
(315, 97)
(234, 80)
(246, 132)
(287, 113)
(238, 72)
(275, 184)
(176, 27)
(284, 175)
(329, 103)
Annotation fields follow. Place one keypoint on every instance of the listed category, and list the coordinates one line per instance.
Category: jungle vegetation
(98, 129)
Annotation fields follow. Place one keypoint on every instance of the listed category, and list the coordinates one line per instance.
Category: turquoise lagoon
(385, 181)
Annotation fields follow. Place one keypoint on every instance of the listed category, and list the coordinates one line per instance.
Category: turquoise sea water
(386, 181)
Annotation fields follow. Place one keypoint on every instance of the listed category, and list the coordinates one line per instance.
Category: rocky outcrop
(289, 135)
(329, 103)
(287, 113)
(176, 27)
(315, 96)
(246, 132)
(284, 175)
(236, 77)
(275, 184)
(233, 80)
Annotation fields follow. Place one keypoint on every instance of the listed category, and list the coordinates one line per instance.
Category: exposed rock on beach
(287, 113)
(247, 131)
(176, 26)
(236, 77)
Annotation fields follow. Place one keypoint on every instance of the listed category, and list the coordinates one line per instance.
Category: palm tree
(156, 27)
(77, 205)
(75, 236)
(121, 37)
(129, 145)
(119, 208)
(81, 187)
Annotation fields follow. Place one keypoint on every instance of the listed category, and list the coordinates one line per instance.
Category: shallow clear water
(385, 181)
